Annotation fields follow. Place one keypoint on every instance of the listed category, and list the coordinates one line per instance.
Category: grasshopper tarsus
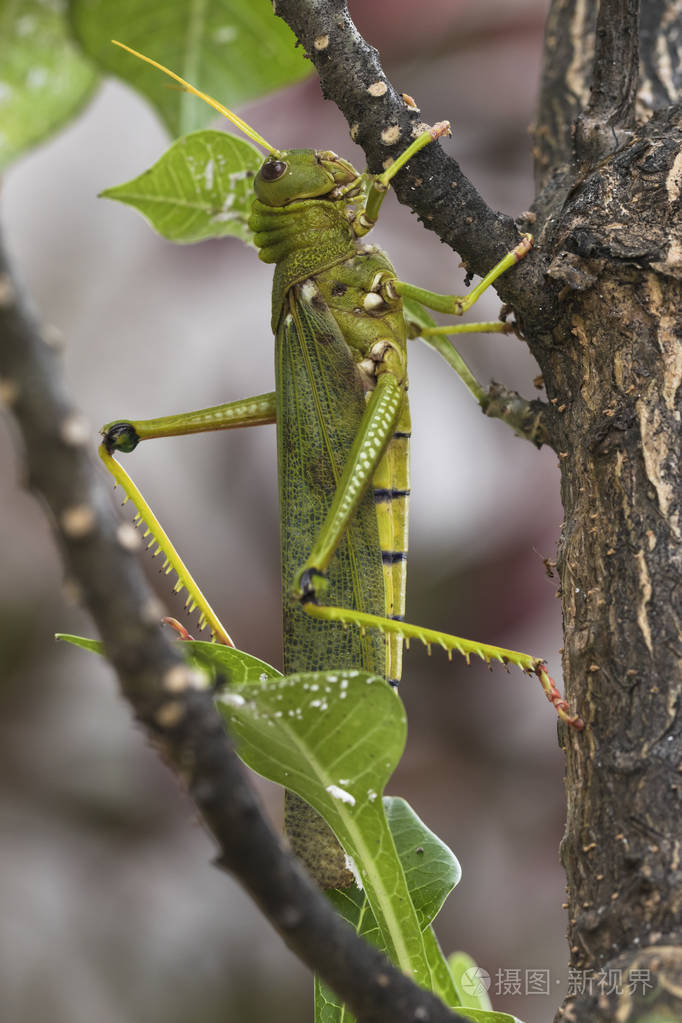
(310, 582)
(182, 632)
(440, 129)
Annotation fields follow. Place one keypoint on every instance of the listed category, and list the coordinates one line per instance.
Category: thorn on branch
(528, 419)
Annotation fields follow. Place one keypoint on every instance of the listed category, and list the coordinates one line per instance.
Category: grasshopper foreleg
(379, 183)
(125, 435)
(436, 336)
(457, 305)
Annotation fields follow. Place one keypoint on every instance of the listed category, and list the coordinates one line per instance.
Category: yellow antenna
(236, 120)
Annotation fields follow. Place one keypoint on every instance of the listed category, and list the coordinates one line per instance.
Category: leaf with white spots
(44, 79)
(234, 50)
(335, 738)
(228, 665)
(202, 187)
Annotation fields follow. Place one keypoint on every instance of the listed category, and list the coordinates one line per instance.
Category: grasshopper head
(302, 174)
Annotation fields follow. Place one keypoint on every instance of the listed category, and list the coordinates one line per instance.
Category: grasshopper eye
(273, 169)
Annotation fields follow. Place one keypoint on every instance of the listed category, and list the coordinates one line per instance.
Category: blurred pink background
(111, 909)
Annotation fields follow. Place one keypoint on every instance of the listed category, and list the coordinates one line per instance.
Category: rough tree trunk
(612, 367)
(600, 304)
(612, 364)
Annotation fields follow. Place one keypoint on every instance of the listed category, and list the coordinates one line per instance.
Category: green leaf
(95, 646)
(328, 1006)
(335, 738)
(235, 666)
(202, 187)
(472, 988)
(223, 664)
(44, 79)
(234, 50)
(483, 1016)
(470, 981)
(431, 871)
(442, 983)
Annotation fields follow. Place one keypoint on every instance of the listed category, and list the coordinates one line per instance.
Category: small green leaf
(442, 983)
(234, 50)
(485, 1016)
(352, 905)
(328, 1006)
(470, 981)
(44, 79)
(223, 664)
(236, 667)
(200, 188)
(335, 738)
(95, 646)
(431, 868)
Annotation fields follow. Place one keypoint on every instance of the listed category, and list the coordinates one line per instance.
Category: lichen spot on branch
(52, 336)
(128, 537)
(7, 291)
(78, 521)
(181, 678)
(74, 430)
(169, 714)
(321, 43)
(9, 391)
(390, 135)
(377, 89)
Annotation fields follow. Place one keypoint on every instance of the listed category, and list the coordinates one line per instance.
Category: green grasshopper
(341, 412)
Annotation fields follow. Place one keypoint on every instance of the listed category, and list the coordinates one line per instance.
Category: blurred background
(110, 907)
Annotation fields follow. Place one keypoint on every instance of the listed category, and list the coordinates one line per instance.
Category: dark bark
(614, 362)
(600, 303)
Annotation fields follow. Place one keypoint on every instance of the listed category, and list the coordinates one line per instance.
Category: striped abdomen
(391, 496)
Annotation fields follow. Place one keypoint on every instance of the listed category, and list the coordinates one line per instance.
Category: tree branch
(166, 696)
(569, 56)
(610, 115)
(382, 122)
(660, 54)
(564, 88)
(528, 419)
